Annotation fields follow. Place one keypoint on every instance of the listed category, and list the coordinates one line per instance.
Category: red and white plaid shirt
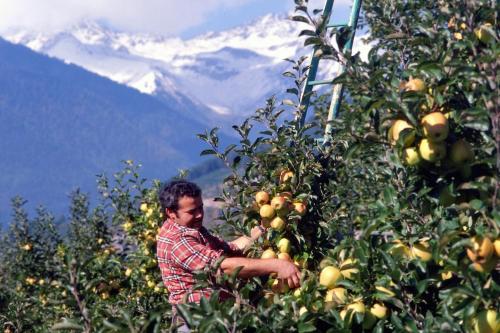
(181, 251)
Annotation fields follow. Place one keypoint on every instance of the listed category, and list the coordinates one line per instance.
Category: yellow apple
(269, 254)
(357, 307)
(329, 276)
(300, 208)
(484, 34)
(336, 295)
(284, 256)
(461, 152)
(411, 156)
(302, 310)
(396, 129)
(421, 251)
(349, 269)
(417, 85)
(280, 205)
(446, 275)
(262, 198)
(435, 127)
(431, 151)
(284, 245)
(379, 310)
(481, 250)
(27, 247)
(496, 244)
(278, 224)
(487, 322)
(267, 212)
(286, 176)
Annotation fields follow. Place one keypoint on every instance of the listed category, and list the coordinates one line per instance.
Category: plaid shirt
(181, 251)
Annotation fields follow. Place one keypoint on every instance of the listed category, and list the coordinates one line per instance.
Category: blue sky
(172, 18)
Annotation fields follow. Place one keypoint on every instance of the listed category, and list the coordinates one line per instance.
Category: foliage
(402, 235)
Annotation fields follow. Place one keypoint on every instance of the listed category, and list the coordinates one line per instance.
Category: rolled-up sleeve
(191, 255)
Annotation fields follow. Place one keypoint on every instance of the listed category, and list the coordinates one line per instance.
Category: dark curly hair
(171, 192)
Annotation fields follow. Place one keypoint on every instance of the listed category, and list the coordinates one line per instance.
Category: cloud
(165, 17)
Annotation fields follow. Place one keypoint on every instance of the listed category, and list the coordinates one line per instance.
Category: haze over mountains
(130, 96)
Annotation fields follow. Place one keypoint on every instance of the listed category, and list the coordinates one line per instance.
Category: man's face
(190, 212)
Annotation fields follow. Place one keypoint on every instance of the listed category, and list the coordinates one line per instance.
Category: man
(185, 246)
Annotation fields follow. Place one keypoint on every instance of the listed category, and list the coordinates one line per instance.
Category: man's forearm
(251, 267)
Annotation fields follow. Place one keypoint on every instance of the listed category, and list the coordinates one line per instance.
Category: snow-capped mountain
(232, 72)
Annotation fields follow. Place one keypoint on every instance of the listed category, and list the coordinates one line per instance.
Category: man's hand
(288, 272)
(256, 232)
(285, 270)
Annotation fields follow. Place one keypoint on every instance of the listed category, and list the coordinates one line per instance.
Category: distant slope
(61, 125)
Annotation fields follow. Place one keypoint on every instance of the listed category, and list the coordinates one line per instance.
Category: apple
(269, 254)
(397, 127)
(496, 244)
(286, 176)
(461, 152)
(435, 127)
(481, 250)
(284, 245)
(487, 322)
(432, 151)
(280, 205)
(300, 208)
(267, 211)
(379, 310)
(302, 310)
(483, 33)
(262, 198)
(417, 85)
(329, 276)
(278, 224)
(284, 256)
(348, 268)
(421, 251)
(356, 307)
(411, 156)
(336, 295)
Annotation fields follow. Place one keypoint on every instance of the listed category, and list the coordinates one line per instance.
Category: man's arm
(285, 270)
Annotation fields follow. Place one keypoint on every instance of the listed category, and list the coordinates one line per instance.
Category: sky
(170, 18)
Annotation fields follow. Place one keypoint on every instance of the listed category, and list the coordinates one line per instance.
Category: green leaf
(208, 152)
(306, 327)
(299, 18)
(67, 324)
